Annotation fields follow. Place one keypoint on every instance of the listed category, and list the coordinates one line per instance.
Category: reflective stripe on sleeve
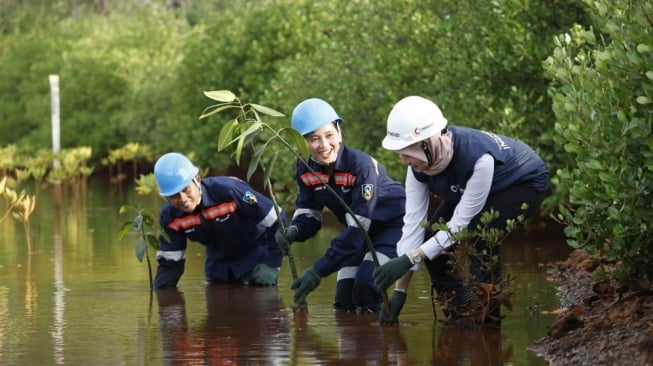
(175, 255)
(365, 222)
(383, 259)
(317, 215)
(269, 219)
(347, 272)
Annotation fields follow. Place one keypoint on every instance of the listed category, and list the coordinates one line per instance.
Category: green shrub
(602, 94)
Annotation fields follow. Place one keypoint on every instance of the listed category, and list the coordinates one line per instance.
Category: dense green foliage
(136, 72)
(603, 99)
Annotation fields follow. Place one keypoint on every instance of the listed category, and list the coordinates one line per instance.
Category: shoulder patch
(367, 191)
(250, 198)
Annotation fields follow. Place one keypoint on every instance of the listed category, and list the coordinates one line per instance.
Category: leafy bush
(602, 94)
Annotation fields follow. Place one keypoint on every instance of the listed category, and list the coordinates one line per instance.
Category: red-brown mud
(599, 324)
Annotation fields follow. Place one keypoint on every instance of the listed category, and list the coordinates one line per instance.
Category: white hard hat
(411, 120)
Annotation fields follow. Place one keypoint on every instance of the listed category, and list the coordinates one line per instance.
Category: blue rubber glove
(285, 237)
(265, 275)
(391, 271)
(307, 282)
(397, 301)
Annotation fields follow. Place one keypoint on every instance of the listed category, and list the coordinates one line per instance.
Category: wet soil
(598, 322)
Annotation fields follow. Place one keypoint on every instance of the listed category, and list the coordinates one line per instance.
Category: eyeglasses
(427, 152)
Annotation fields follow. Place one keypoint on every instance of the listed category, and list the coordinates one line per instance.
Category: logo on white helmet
(419, 130)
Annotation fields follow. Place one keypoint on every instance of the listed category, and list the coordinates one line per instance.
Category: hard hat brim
(393, 144)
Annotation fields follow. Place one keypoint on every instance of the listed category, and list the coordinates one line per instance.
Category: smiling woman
(361, 183)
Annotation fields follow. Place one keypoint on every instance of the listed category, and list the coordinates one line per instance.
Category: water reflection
(243, 325)
(59, 321)
(82, 298)
(467, 346)
(59, 287)
(352, 340)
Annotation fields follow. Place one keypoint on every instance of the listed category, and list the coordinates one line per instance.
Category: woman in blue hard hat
(471, 171)
(233, 221)
(362, 183)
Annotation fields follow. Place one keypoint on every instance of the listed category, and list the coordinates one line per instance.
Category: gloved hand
(307, 282)
(397, 301)
(285, 237)
(265, 275)
(391, 271)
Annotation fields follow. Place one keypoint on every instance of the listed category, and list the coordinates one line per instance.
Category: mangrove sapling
(492, 292)
(21, 207)
(144, 224)
(248, 126)
(300, 308)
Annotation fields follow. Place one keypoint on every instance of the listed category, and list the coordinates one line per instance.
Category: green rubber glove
(307, 282)
(265, 275)
(387, 274)
(397, 301)
(285, 237)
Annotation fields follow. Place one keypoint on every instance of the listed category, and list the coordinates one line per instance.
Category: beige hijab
(439, 147)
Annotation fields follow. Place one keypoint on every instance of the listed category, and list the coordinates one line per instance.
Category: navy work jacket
(234, 222)
(515, 163)
(363, 184)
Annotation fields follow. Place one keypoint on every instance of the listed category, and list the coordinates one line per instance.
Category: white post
(59, 298)
(54, 107)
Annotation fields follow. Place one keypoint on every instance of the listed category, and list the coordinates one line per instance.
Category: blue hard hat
(312, 114)
(173, 172)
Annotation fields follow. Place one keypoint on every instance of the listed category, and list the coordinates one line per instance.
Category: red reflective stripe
(222, 209)
(311, 179)
(345, 179)
(185, 222)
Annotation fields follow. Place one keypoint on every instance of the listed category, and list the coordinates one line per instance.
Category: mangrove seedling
(146, 228)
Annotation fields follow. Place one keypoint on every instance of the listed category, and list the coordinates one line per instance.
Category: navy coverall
(377, 203)
(235, 223)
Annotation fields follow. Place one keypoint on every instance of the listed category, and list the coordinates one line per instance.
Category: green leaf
(138, 222)
(216, 109)
(298, 142)
(253, 128)
(226, 133)
(140, 249)
(253, 164)
(163, 233)
(267, 110)
(268, 172)
(221, 95)
(153, 241)
(239, 148)
(126, 227)
(148, 218)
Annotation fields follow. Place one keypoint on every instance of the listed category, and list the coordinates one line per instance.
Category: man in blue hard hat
(233, 221)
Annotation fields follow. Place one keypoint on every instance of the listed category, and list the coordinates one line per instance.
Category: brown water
(82, 298)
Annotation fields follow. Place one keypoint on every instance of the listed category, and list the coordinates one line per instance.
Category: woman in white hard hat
(471, 171)
(376, 201)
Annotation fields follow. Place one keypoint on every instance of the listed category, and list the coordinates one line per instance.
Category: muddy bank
(598, 324)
